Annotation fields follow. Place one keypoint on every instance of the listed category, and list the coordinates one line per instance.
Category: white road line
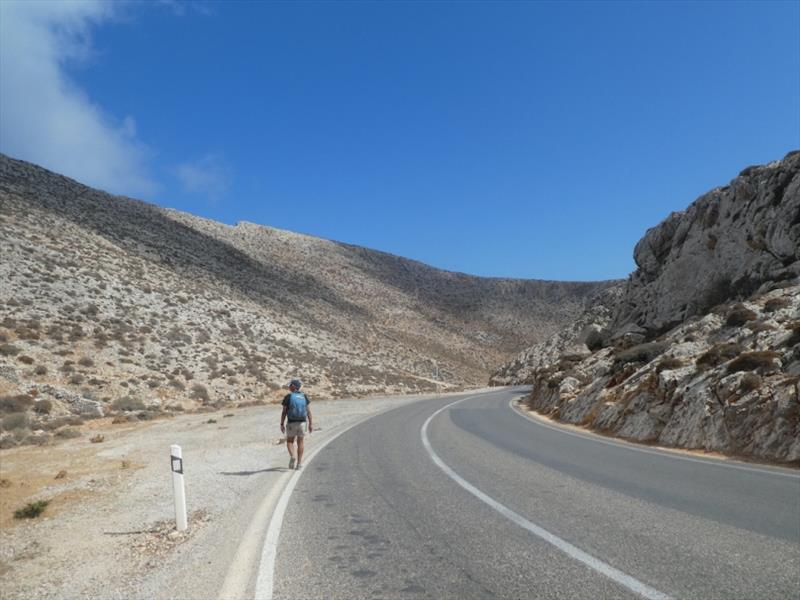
(590, 561)
(266, 568)
(593, 437)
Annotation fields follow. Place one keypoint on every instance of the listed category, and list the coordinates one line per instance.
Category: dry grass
(739, 315)
(718, 354)
(750, 361)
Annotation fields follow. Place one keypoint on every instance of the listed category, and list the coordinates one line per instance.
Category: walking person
(296, 412)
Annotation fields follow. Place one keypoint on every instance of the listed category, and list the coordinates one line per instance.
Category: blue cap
(295, 383)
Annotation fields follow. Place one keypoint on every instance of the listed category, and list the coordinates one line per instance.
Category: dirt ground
(109, 530)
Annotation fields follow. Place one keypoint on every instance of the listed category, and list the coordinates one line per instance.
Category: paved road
(374, 516)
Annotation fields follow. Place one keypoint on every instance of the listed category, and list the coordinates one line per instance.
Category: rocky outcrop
(701, 346)
(713, 383)
(726, 245)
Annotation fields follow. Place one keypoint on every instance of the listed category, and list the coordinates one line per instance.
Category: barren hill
(108, 301)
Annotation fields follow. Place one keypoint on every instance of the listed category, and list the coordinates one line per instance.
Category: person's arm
(283, 418)
(310, 425)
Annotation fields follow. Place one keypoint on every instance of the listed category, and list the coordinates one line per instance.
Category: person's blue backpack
(297, 407)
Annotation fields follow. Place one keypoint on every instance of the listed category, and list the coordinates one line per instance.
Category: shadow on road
(243, 473)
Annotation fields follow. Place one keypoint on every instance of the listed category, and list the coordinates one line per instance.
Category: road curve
(379, 515)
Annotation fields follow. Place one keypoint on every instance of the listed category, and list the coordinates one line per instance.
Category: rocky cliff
(726, 245)
(109, 304)
(701, 346)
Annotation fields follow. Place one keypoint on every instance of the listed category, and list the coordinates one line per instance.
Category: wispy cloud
(45, 117)
(181, 7)
(208, 176)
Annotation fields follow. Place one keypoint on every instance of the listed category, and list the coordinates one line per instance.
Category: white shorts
(296, 429)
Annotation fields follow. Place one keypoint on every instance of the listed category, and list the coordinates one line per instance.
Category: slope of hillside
(112, 303)
(701, 346)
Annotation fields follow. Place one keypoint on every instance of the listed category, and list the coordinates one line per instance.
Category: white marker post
(176, 458)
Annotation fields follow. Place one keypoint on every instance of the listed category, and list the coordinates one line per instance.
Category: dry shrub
(26, 360)
(669, 363)
(68, 433)
(749, 382)
(14, 421)
(40, 370)
(751, 361)
(199, 392)
(643, 353)
(119, 419)
(794, 338)
(739, 315)
(96, 439)
(8, 350)
(759, 326)
(718, 354)
(128, 403)
(15, 403)
(43, 407)
(86, 362)
(776, 304)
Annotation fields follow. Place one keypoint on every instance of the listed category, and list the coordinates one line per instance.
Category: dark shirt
(286, 404)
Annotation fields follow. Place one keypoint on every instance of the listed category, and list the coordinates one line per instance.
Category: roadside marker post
(176, 460)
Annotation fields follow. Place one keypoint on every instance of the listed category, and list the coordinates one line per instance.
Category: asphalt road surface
(473, 500)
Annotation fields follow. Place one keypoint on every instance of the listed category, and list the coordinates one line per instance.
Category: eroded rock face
(715, 387)
(675, 358)
(727, 244)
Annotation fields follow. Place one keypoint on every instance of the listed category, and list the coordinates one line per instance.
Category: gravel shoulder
(109, 532)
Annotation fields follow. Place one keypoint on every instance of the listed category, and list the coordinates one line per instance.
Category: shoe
(299, 466)
(291, 463)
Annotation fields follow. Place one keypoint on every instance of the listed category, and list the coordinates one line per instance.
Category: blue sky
(535, 140)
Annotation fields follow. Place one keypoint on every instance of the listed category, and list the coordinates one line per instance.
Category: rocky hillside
(700, 348)
(112, 304)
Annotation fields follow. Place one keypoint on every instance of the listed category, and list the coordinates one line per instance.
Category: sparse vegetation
(68, 433)
(31, 510)
(774, 304)
(128, 403)
(749, 382)
(43, 407)
(643, 353)
(759, 326)
(669, 363)
(15, 403)
(794, 338)
(199, 392)
(14, 421)
(751, 361)
(718, 354)
(739, 315)
(8, 350)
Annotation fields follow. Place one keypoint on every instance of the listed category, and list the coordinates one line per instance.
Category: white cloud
(209, 176)
(45, 117)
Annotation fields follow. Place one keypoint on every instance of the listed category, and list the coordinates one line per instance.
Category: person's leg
(300, 446)
(290, 445)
